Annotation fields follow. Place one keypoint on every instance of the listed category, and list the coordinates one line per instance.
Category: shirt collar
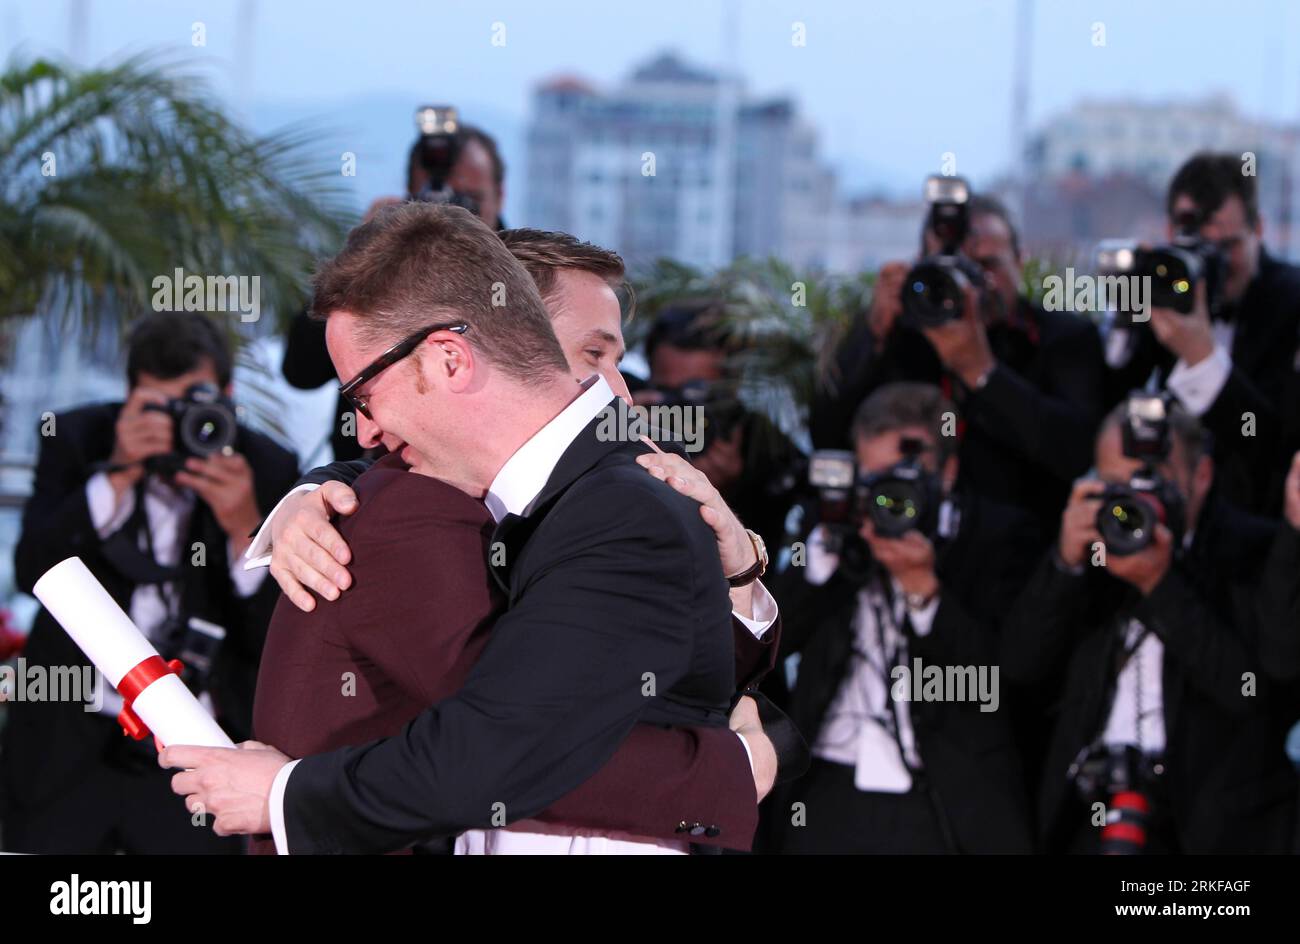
(526, 472)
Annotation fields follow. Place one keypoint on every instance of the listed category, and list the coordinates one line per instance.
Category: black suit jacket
(1230, 786)
(618, 613)
(48, 745)
(1265, 381)
(1279, 608)
(970, 757)
(1028, 432)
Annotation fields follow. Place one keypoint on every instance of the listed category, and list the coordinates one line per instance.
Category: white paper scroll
(113, 643)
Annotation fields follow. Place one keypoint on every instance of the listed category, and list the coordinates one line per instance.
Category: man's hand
(1148, 567)
(963, 344)
(1187, 336)
(745, 722)
(1292, 491)
(138, 435)
(1079, 522)
(306, 550)
(225, 483)
(886, 300)
(909, 559)
(231, 785)
(735, 548)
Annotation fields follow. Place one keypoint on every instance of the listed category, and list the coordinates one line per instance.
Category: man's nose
(368, 431)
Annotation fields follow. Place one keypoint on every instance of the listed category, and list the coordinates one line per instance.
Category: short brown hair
(545, 253)
(899, 405)
(414, 264)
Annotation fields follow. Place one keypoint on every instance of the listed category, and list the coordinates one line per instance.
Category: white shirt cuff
(743, 743)
(107, 513)
(246, 580)
(276, 804)
(764, 612)
(821, 563)
(259, 552)
(1198, 387)
(923, 619)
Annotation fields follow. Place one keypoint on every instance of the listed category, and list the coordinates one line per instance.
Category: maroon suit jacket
(405, 634)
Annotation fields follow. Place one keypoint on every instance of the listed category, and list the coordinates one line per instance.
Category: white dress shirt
(1137, 714)
(513, 491)
(854, 732)
(167, 511)
(1196, 387)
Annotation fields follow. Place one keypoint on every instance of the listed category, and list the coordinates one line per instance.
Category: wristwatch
(755, 570)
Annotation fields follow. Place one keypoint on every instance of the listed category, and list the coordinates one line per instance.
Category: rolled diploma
(113, 643)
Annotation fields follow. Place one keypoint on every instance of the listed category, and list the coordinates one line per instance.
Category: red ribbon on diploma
(136, 681)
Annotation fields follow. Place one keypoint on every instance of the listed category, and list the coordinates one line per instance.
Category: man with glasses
(1229, 367)
(617, 605)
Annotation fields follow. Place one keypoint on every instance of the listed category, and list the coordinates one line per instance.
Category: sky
(890, 86)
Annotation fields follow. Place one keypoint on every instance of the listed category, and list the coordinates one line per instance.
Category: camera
(196, 643)
(1124, 779)
(1129, 513)
(905, 497)
(934, 291)
(436, 152)
(204, 422)
(721, 408)
(1173, 269)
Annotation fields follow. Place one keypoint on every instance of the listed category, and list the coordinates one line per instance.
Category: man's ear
(450, 356)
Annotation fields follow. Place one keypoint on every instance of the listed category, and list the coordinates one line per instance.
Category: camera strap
(1129, 651)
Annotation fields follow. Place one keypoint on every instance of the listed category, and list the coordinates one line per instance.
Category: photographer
(1230, 359)
(158, 496)
(1029, 382)
(1141, 624)
(476, 179)
(1279, 597)
(744, 456)
(893, 775)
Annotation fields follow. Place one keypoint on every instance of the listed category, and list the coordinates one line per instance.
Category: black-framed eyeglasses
(401, 349)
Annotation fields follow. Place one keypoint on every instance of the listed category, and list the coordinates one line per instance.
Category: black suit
(52, 748)
(614, 585)
(1279, 608)
(1265, 382)
(1228, 785)
(970, 761)
(1028, 432)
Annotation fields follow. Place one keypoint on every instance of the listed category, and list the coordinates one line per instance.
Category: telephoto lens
(1128, 815)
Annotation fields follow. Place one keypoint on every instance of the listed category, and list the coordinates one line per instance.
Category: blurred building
(866, 232)
(677, 162)
(1101, 168)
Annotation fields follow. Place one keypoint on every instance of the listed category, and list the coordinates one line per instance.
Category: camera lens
(206, 429)
(1126, 521)
(896, 507)
(932, 294)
